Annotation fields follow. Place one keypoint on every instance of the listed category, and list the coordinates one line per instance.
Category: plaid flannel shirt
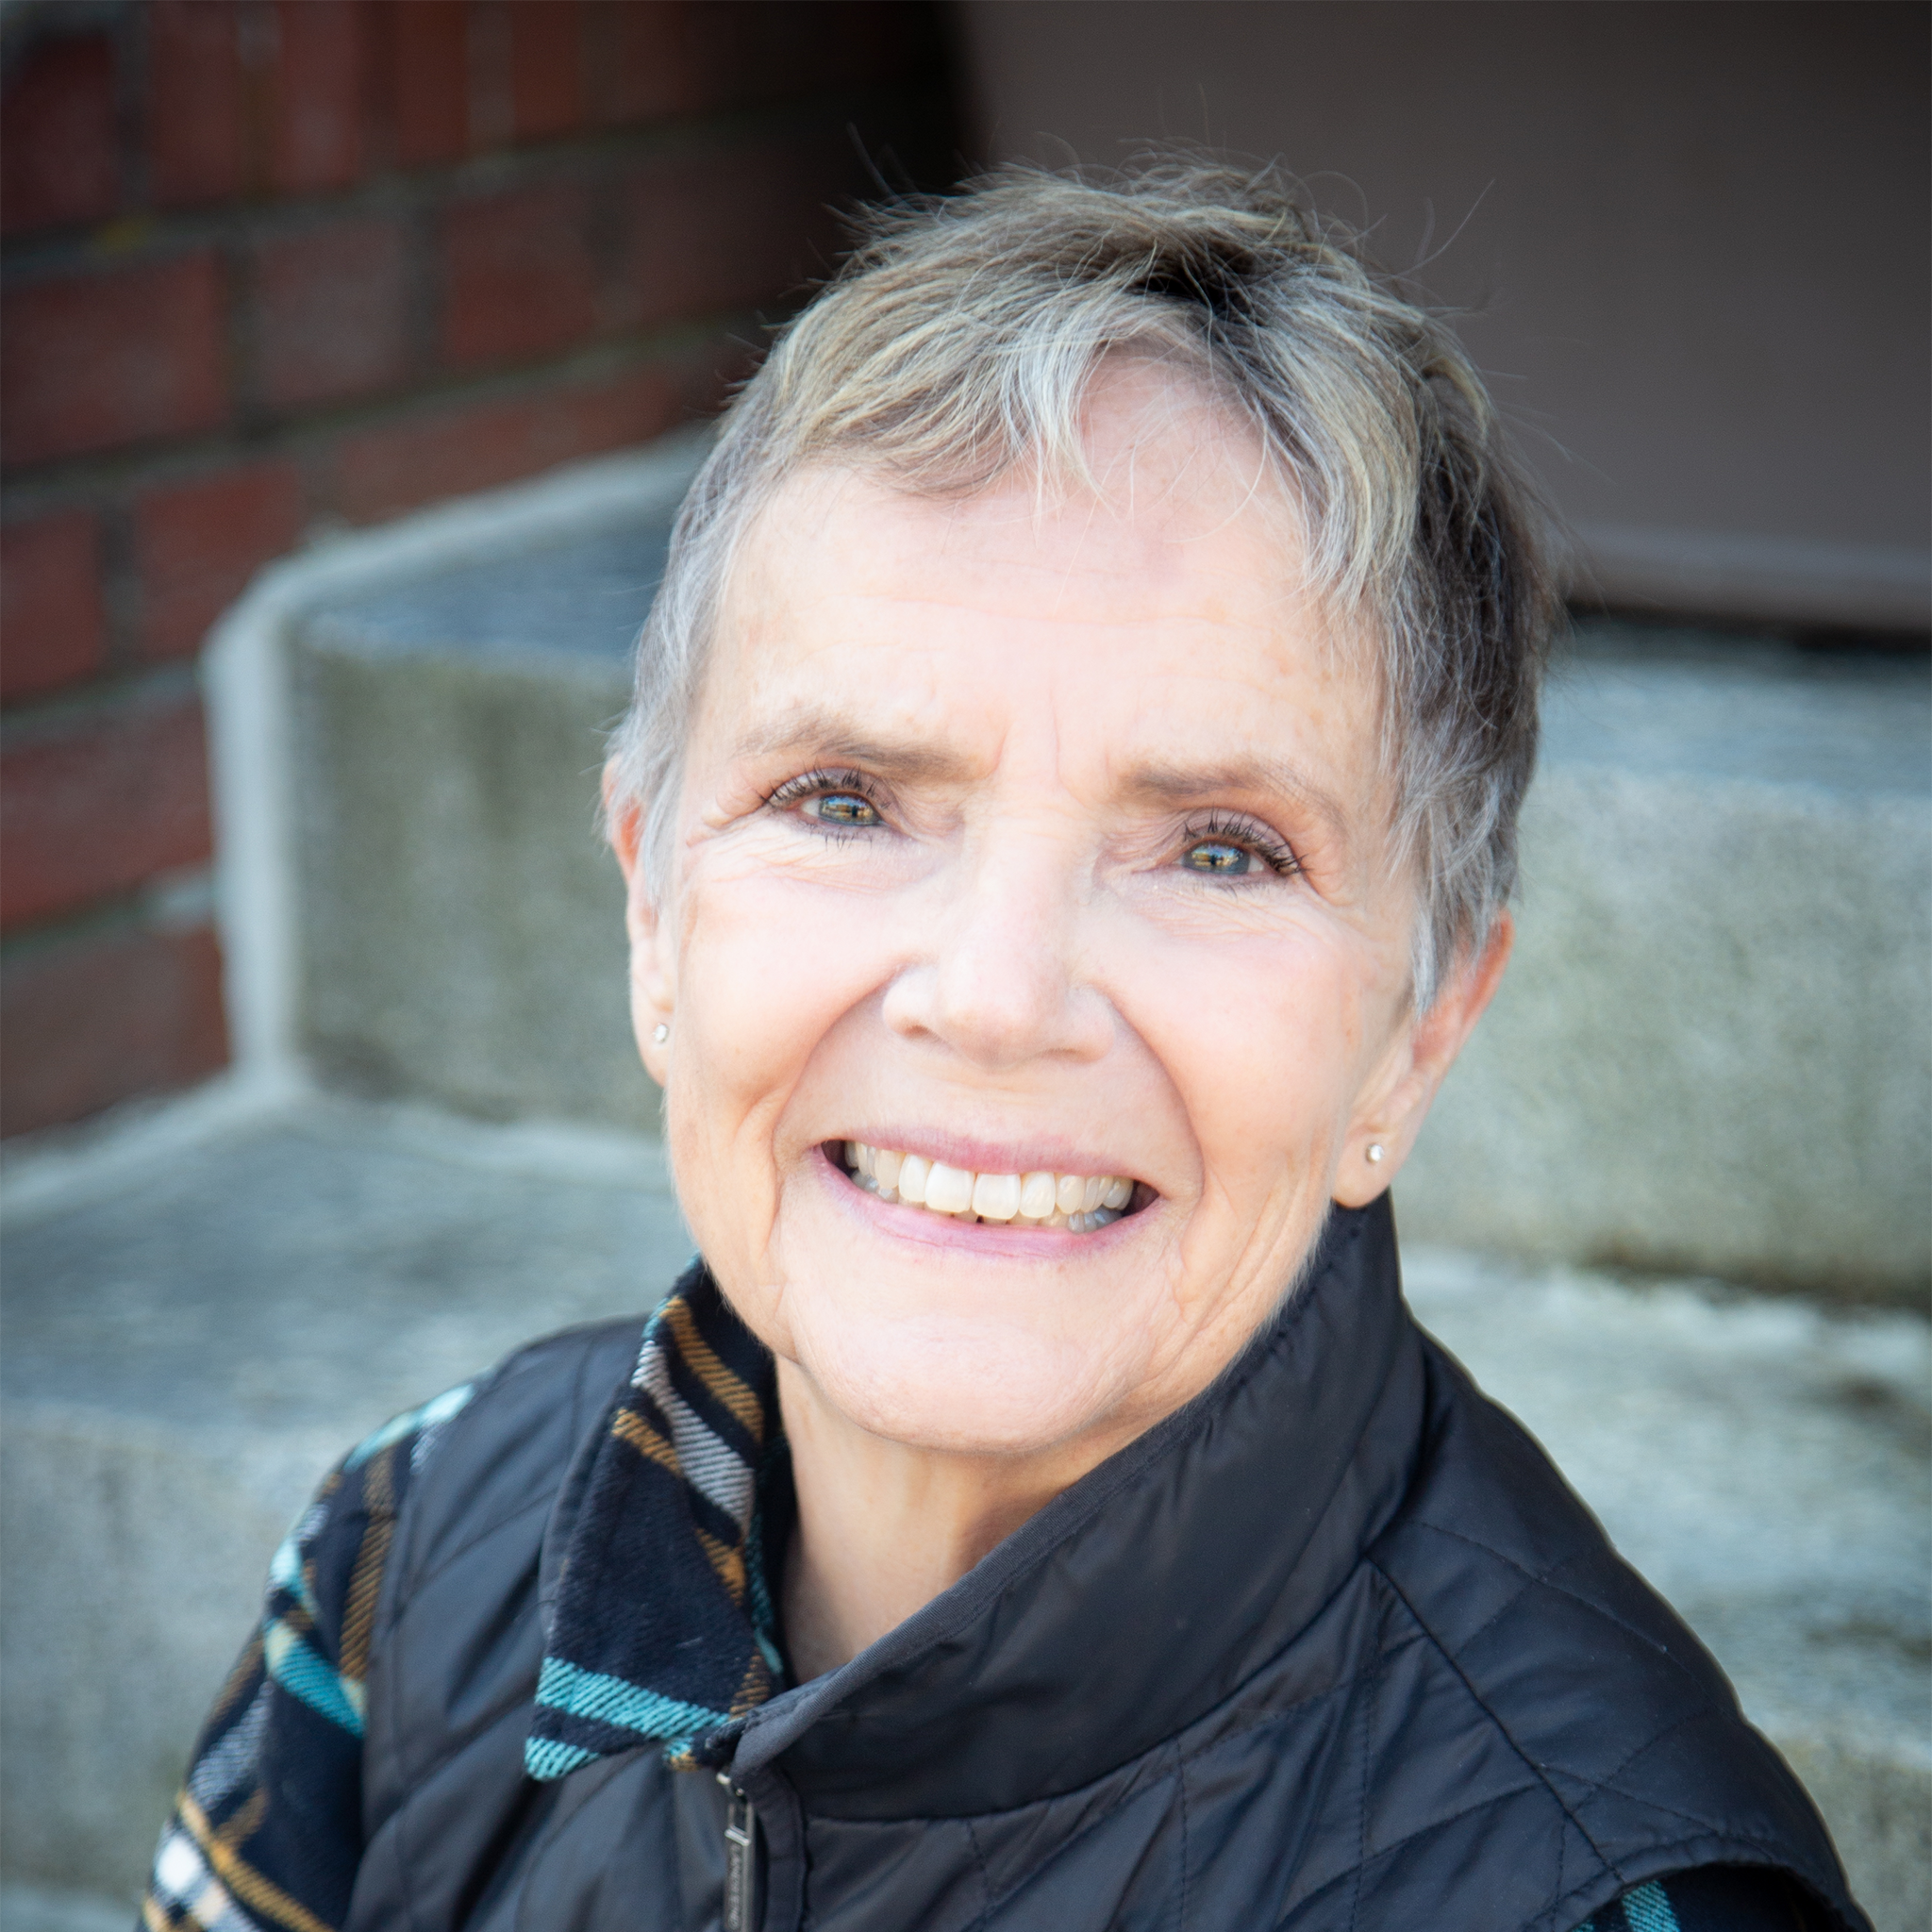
(267, 1831)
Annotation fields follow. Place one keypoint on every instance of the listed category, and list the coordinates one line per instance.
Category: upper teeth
(1077, 1201)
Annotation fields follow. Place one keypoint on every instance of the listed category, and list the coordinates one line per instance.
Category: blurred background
(313, 1064)
(273, 271)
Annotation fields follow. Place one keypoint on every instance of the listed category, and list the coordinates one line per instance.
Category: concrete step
(203, 1309)
(1713, 1049)
(462, 926)
(190, 1341)
(34, 1909)
(1713, 1052)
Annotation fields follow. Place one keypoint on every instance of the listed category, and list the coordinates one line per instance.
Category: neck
(883, 1528)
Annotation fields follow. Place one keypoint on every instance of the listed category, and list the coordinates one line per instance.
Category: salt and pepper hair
(958, 342)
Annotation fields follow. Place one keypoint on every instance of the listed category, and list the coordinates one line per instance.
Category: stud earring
(1375, 1152)
(661, 1032)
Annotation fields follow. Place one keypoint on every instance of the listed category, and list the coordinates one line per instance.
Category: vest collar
(1129, 1608)
(1149, 1590)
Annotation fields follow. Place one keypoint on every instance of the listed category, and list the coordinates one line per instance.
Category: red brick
(106, 802)
(53, 630)
(641, 65)
(330, 313)
(198, 124)
(714, 232)
(430, 80)
(394, 468)
(197, 545)
(518, 274)
(546, 52)
(319, 93)
(96, 360)
(58, 162)
(104, 1016)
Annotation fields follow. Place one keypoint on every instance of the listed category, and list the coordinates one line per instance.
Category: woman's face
(1028, 840)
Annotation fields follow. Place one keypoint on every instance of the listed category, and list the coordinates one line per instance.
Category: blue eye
(843, 808)
(836, 800)
(1217, 857)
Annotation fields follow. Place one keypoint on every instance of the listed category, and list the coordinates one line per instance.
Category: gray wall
(1696, 237)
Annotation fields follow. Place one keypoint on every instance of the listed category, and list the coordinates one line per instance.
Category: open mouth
(1080, 1203)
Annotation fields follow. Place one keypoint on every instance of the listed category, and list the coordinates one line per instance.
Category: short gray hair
(959, 339)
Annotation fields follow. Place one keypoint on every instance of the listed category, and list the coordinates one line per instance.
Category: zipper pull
(741, 1859)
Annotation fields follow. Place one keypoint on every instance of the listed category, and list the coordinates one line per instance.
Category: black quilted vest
(1332, 1649)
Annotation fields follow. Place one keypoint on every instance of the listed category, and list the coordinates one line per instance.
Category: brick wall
(272, 265)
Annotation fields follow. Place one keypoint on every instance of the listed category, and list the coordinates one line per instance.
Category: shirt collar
(663, 1628)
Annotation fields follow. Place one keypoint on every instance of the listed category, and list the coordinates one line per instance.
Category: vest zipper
(741, 1859)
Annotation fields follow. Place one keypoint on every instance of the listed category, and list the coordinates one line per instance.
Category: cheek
(1262, 1038)
(767, 968)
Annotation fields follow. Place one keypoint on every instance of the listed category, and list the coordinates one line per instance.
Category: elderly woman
(1069, 812)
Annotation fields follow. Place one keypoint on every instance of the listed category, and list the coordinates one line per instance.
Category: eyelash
(820, 783)
(1223, 827)
(1231, 829)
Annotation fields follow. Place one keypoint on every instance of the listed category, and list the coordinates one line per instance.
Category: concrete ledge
(260, 806)
(463, 923)
(33, 1909)
(1713, 1050)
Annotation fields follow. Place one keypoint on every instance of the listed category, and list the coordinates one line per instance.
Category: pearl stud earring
(1375, 1152)
(661, 1032)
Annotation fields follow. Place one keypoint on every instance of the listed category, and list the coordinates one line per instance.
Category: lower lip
(997, 1240)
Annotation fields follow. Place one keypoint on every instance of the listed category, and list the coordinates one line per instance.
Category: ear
(1393, 1103)
(653, 958)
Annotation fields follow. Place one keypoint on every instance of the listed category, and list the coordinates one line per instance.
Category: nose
(999, 978)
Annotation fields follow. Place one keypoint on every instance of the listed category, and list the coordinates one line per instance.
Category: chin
(958, 1383)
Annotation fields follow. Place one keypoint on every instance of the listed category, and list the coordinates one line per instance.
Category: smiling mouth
(1079, 1203)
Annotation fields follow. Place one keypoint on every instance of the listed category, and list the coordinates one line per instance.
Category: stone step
(1712, 1053)
(196, 1329)
(204, 1309)
(34, 1909)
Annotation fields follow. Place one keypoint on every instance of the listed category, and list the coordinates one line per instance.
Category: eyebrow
(1171, 784)
(807, 731)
